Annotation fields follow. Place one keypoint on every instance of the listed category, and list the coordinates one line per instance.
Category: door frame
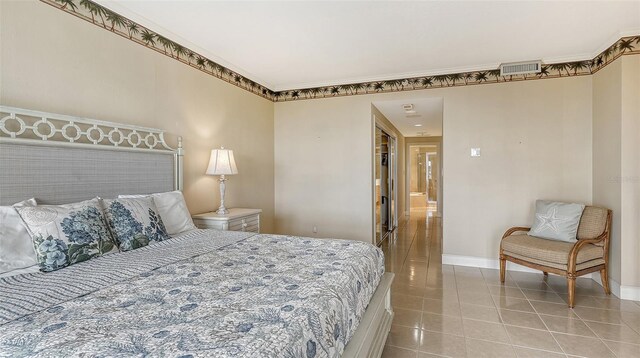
(394, 177)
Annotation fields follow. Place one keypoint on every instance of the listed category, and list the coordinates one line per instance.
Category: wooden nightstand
(238, 219)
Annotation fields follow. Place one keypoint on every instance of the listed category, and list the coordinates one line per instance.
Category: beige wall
(607, 168)
(54, 62)
(323, 168)
(616, 162)
(323, 160)
(535, 139)
(630, 228)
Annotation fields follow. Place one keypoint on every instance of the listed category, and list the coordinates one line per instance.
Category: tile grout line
(596, 334)
(513, 345)
(540, 318)
(502, 320)
(548, 330)
(455, 280)
(580, 319)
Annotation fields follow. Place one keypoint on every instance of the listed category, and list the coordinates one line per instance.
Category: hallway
(456, 311)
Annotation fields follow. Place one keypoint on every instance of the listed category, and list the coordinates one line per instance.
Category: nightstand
(238, 219)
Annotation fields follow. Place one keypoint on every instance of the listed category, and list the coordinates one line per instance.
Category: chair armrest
(573, 254)
(515, 229)
(581, 242)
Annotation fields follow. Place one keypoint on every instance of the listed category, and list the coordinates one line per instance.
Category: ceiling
(425, 122)
(299, 44)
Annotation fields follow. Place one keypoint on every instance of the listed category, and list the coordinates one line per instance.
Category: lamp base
(222, 210)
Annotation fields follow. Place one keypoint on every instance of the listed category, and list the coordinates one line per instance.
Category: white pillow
(556, 221)
(172, 209)
(16, 248)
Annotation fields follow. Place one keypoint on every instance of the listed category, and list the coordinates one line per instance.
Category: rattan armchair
(590, 253)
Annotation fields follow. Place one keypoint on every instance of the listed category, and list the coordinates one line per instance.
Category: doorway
(424, 162)
(397, 124)
(385, 189)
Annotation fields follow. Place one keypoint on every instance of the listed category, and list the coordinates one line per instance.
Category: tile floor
(456, 311)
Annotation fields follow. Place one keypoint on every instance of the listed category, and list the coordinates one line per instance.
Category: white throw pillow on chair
(556, 221)
(16, 248)
(172, 209)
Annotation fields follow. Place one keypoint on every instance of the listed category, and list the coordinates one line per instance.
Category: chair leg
(503, 268)
(571, 287)
(604, 277)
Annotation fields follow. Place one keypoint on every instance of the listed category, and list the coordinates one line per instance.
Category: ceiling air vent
(520, 68)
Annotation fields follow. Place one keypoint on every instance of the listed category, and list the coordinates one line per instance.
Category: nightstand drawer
(248, 223)
(237, 219)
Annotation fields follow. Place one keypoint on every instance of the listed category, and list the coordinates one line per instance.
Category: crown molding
(137, 29)
(438, 72)
(612, 40)
(449, 70)
(629, 45)
(387, 77)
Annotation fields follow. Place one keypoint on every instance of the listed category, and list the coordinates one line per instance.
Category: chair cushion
(592, 222)
(551, 251)
(581, 266)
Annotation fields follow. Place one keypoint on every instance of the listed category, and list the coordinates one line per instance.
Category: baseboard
(482, 262)
(613, 285)
(624, 292)
(630, 293)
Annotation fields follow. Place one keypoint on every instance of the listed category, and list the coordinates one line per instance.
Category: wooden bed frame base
(369, 339)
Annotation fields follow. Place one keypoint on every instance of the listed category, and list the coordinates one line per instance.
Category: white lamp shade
(222, 162)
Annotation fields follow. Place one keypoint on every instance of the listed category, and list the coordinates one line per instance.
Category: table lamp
(222, 163)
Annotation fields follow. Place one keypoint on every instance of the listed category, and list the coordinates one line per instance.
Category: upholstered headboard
(61, 159)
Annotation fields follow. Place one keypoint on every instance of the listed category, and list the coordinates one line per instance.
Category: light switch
(475, 152)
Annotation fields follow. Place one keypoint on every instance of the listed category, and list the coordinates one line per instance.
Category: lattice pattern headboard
(61, 159)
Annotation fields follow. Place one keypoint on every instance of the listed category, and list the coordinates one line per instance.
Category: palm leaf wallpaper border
(120, 25)
(625, 46)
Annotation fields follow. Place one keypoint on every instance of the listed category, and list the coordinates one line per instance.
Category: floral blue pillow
(63, 235)
(134, 222)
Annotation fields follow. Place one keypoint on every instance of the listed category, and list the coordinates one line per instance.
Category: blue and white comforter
(205, 293)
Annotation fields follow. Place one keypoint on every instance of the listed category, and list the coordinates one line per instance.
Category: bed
(200, 293)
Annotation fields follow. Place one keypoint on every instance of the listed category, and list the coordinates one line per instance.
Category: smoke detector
(520, 68)
(407, 107)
